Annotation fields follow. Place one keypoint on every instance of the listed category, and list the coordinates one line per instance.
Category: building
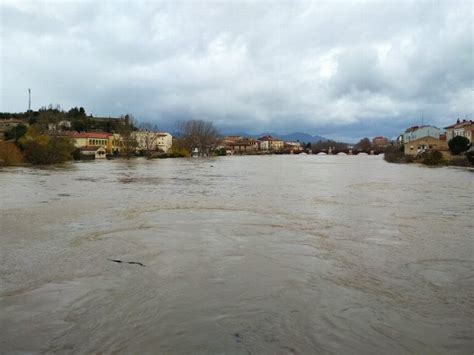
(243, 146)
(93, 152)
(64, 124)
(417, 132)
(92, 139)
(239, 145)
(292, 146)
(273, 143)
(420, 145)
(464, 128)
(153, 141)
(8, 124)
(263, 145)
(380, 143)
(110, 142)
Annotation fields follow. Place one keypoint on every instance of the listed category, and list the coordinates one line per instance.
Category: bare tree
(364, 145)
(198, 135)
(147, 137)
(129, 143)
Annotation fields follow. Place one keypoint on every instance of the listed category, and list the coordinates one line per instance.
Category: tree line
(39, 143)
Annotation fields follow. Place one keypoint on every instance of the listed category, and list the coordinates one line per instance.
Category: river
(242, 255)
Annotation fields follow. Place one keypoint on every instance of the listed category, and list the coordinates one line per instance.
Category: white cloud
(281, 66)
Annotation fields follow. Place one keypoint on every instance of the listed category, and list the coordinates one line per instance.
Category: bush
(48, 150)
(470, 156)
(220, 152)
(432, 157)
(394, 154)
(16, 132)
(10, 154)
(458, 161)
(178, 152)
(459, 144)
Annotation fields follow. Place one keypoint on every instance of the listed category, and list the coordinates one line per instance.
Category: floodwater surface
(241, 255)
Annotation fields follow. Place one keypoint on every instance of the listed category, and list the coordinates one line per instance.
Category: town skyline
(295, 134)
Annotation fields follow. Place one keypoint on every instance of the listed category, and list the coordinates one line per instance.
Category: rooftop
(460, 124)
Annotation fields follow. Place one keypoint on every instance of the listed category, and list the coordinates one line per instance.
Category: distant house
(420, 145)
(86, 139)
(239, 145)
(380, 143)
(64, 124)
(292, 146)
(417, 132)
(110, 142)
(146, 140)
(92, 152)
(464, 128)
(273, 143)
(263, 145)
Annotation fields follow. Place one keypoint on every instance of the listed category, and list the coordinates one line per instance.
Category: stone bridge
(345, 152)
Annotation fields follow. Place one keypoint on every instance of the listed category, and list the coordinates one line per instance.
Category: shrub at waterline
(10, 154)
(432, 157)
(53, 150)
(394, 154)
(45, 149)
(470, 156)
(459, 144)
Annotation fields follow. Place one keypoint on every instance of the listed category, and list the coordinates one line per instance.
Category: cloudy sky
(342, 69)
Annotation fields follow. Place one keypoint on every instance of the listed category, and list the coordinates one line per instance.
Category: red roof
(267, 138)
(460, 124)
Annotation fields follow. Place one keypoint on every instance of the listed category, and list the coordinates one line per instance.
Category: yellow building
(421, 145)
(273, 144)
(464, 128)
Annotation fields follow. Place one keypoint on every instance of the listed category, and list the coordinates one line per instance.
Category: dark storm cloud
(345, 69)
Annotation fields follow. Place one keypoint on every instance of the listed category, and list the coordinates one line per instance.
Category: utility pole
(29, 99)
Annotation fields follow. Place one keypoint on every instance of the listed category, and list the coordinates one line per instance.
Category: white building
(264, 145)
(417, 132)
(293, 146)
(153, 140)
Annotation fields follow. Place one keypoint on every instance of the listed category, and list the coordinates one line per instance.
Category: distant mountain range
(292, 137)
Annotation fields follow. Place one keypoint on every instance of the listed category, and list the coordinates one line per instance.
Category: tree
(326, 144)
(459, 144)
(198, 134)
(46, 149)
(147, 137)
(129, 142)
(16, 132)
(433, 157)
(364, 145)
(394, 154)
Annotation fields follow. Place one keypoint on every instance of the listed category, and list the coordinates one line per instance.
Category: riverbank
(431, 158)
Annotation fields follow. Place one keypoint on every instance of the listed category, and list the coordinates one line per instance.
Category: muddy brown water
(242, 255)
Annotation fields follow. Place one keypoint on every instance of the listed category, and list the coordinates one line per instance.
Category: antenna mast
(29, 99)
